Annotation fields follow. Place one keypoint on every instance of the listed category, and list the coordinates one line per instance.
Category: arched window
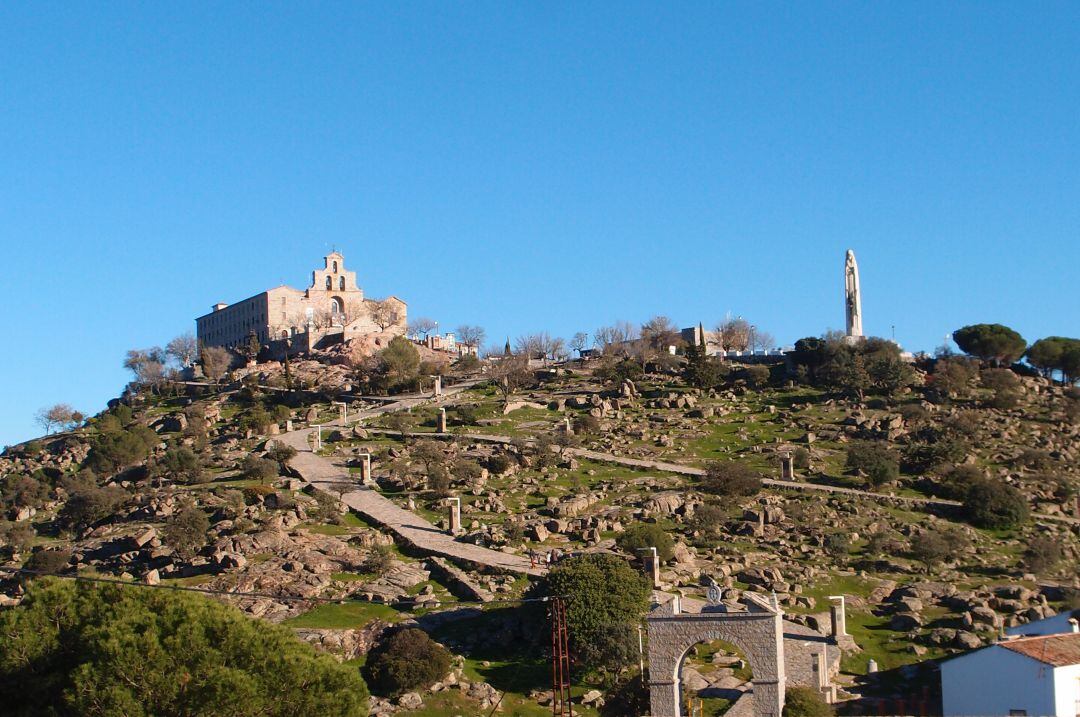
(337, 306)
(341, 283)
(329, 284)
(335, 267)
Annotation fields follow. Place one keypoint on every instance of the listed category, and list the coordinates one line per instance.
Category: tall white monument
(852, 296)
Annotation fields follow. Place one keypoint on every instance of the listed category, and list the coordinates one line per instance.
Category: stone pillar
(652, 562)
(821, 672)
(365, 469)
(568, 428)
(288, 426)
(455, 515)
(317, 442)
(438, 385)
(871, 666)
(838, 616)
(440, 425)
(343, 413)
(787, 467)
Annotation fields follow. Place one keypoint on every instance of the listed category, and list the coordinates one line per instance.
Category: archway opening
(713, 676)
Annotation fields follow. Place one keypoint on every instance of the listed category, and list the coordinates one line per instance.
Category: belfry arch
(759, 633)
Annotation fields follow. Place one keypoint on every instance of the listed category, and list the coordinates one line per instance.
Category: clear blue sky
(530, 166)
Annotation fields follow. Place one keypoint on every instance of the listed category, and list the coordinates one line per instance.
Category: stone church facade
(333, 306)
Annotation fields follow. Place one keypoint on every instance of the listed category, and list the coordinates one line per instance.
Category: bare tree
(615, 339)
(660, 332)
(579, 341)
(471, 336)
(556, 349)
(734, 334)
(147, 366)
(184, 349)
(59, 416)
(509, 374)
(215, 362)
(761, 340)
(422, 326)
(384, 313)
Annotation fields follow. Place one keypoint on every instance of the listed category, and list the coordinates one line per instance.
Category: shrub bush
(404, 661)
(876, 461)
(640, 536)
(731, 479)
(992, 503)
(1042, 554)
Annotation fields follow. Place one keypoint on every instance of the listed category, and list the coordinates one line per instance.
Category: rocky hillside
(945, 510)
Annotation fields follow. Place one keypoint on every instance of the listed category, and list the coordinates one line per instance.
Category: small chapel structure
(332, 306)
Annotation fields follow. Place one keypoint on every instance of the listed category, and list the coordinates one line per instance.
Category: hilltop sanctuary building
(333, 307)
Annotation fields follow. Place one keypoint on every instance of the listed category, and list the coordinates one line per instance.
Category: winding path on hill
(680, 469)
(409, 527)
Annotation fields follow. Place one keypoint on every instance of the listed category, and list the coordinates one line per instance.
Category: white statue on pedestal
(852, 296)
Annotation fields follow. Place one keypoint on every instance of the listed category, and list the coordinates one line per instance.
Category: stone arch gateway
(758, 632)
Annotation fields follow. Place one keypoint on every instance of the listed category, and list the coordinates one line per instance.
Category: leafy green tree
(701, 370)
(182, 465)
(846, 372)
(930, 548)
(404, 661)
(730, 479)
(87, 502)
(17, 536)
(993, 503)
(399, 363)
(257, 468)
(641, 536)
(185, 531)
(603, 594)
(874, 460)
(281, 453)
(994, 343)
(114, 450)
(22, 491)
(48, 562)
(74, 649)
(252, 347)
(888, 372)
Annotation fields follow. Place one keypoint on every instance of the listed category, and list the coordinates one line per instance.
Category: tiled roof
(1056, 650)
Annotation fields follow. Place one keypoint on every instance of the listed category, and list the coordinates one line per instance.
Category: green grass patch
(343, 616)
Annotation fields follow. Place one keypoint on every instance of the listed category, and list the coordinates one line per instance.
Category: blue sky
(530, 166)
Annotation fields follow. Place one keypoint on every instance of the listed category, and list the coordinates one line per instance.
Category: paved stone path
(408, 526)
(680, 469)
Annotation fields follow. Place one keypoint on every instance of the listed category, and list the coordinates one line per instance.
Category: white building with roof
(1037, 675)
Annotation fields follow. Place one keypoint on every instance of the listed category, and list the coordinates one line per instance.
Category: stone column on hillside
(838, 615)
(343, 412)
(288, 426)
(316, 436)
(652, 561)
(568, 427)
(438, 385)
(441, 422)
(455, 515)
(365, 469)
(787, 467)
